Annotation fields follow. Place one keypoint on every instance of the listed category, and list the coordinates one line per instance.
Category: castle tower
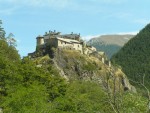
(39, 40)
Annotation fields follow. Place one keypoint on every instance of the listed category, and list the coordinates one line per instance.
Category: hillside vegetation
(40, 86)
(134, 57)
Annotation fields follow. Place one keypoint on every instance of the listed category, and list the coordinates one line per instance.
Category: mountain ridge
(110, 44)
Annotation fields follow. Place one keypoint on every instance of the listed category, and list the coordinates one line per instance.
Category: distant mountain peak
(110, 43)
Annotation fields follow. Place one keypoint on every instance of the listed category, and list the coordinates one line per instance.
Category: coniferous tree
(134, 57)
(2, 31)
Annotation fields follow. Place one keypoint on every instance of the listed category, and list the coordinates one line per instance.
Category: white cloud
(88, 37)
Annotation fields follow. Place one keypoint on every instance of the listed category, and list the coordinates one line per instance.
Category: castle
(66, 41)
(53, 39)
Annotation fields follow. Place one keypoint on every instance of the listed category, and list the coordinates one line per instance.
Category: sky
(27, 19)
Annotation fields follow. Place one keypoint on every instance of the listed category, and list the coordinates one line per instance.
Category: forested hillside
(134, 57)
(27, 88)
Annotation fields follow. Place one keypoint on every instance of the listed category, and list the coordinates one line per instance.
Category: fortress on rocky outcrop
(53, 39)
(67, 41)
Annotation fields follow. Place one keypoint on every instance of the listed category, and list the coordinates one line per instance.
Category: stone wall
(40, 41)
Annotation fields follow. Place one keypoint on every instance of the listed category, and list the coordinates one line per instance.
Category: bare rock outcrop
(74, 66)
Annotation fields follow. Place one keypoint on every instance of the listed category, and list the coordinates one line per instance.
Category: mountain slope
(110, 44)
(134, 56)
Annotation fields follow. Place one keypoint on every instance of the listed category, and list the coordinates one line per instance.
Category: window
(78, 45)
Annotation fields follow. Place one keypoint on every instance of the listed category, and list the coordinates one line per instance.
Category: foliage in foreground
(25, 88)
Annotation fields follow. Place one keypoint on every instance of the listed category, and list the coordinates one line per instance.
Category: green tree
(134, 57)
(82, 97)
(31, 99)
(2, 32)
(11, 40)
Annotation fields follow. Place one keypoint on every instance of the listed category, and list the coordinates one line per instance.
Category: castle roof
(68, 40)
(70, 35)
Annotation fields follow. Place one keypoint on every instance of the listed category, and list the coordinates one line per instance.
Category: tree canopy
(2, 32)
(134, 57)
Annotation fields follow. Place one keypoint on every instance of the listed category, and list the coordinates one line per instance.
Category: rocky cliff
(74, 66)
